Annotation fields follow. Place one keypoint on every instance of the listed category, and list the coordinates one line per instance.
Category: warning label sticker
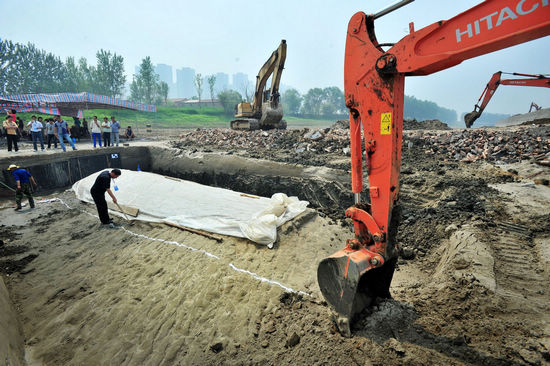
(385, 124)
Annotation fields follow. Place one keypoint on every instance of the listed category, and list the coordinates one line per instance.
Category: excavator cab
(244, 109)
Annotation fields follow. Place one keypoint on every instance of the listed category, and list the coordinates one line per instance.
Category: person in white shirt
(106, 127)
(96, 131)
(36, 131)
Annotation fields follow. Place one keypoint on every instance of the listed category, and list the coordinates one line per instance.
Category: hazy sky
(238, 36)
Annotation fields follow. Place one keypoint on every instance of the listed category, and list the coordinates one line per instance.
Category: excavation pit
(326, 189)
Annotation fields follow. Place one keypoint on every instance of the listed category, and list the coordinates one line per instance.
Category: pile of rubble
(297, 141)
(432, 124)
(505, 146)
(491, 145)
(408, 124)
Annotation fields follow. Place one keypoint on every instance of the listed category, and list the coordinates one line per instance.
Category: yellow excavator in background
(265, 111)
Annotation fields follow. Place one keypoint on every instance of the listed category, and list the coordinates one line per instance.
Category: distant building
(185, 82)
(222, 82)
(165, 74)
(239, 79)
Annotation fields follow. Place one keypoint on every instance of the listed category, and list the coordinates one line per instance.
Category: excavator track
(245, 124)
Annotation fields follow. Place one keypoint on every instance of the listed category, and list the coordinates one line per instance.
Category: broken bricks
(466, 145)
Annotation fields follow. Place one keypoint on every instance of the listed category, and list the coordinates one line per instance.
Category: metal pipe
(357, 198)
(398, 4)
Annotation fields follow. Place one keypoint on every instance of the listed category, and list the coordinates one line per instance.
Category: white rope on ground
(208, 254)
(263, 279)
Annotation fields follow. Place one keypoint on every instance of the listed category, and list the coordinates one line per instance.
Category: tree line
(330, 101)
(27, 69)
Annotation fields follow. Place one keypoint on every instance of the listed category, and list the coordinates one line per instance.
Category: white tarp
(217, 210)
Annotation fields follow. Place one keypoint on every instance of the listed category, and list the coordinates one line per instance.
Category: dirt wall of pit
(12, 342)
(325, 188)
(61, 170)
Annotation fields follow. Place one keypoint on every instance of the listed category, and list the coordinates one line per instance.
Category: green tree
(327, 101)
(86, 74)
(136, 89)
(8, 66)
(229, 99)
(73, 81)
(109, 74)
(198, 86)
(334, 97)
(144, 87)
(312, 101)
(163, 91)
(211, 82)
(292, 100)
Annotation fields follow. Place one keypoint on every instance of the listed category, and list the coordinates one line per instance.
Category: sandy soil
(471, 286)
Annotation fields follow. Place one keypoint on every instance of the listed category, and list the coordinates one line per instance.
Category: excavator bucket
(470, 118)
(271, 116)
(351, 280)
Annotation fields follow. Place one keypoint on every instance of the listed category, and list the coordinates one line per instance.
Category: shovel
(124, 213)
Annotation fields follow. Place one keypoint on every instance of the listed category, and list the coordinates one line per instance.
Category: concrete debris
(313, 135)
(484, 144)
(342, 124)
(465, 145)
(408, 124)
(299, 141)
(431, 124)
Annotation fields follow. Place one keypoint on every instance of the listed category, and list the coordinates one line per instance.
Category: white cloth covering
(185, 203)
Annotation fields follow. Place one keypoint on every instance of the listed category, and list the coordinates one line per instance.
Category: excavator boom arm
(490, 26)
(374, 82)
(273, 66)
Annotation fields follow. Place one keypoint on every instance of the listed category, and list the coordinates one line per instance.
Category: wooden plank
(132, 211)
(176, 179)
(195, 231)
(249, 196)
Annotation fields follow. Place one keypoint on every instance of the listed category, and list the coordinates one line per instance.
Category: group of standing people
(109, 129)
(55, 127)
(105, 133)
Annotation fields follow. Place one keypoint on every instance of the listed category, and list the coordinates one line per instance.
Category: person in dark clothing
(23, 179)
(50, 132)
(103, 184)
(75, 133)
(84, 129)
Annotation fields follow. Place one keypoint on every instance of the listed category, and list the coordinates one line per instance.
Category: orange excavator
(374, 81)
(534, 106)
(491, 88)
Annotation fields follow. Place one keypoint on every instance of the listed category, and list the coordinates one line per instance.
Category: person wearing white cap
(23, 179)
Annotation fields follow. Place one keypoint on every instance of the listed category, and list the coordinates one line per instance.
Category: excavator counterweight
(374, 81)
(265, 112)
